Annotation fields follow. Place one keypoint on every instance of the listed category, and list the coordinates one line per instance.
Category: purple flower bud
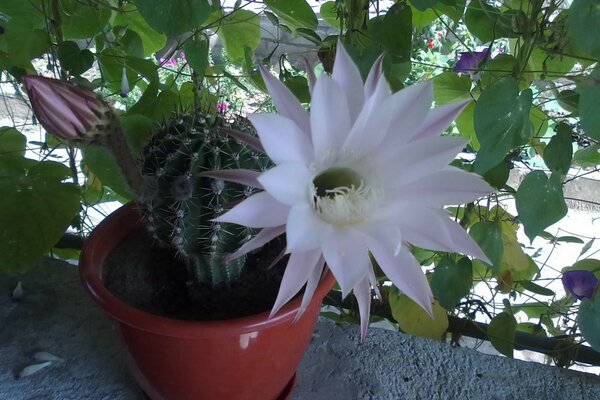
(65, 110)
(581, 284)
(469, 61)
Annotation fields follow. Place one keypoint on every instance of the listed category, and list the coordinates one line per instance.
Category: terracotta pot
(253, 358)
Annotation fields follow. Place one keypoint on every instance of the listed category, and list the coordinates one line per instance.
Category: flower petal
(310, 74)
(362, 292)
(244, 138)
(286, 103)
(439, 119)
(403, 270)
(288, 183)
(246, 177)
(375, 75)
(448, 186)
(259, 240)
(329, 117)
(282, 139)
(419, 158)
(347, 257)
(461, 241)
(409, 108)
(260, 210)
(297, 272)
(372, 125)
(432, 229)
(347, 75)
(305, 229)
(313, 280)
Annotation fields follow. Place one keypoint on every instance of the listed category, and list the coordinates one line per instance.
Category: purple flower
(222, 107)
(65, 110)
(169, 63)
(581, 284)
(469, 62)
(1, 30)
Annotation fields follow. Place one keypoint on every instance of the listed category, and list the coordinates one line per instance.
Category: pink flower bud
(66, 110)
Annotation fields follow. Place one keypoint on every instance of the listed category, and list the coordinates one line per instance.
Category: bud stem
(116, 142)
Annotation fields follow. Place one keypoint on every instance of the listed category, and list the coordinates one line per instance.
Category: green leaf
(501, 66)
(12, 142)
(394, 31)
(501, 332)
(299, 87)
(465, 123)
(24, 43)
(309, 35)
(131, 18)
(137, 130)
(19, 11)
(131, 43)
(540, 202)
(414, 320)
(103, 164)
(532, 329)
(569, 239)
(588, 319)
(481, 19)
(569, 100)
(36, 208)
(488, 236)
(146, 68)
(421, 19)
(589, 98)
(196, 54)
(329, 14)
(73, 59)
(174, 17)
(112, 61)
(498, 175)
(501, 122)
(587, 264)
(272, 17)
(296, 13)
(549, 63)
(83, 19)
(449, 87)
(588, 156)
(239, 30)
(559, 151)
(451, 281)
(423, 5)
(587, 247)
(584, 27)
(537, 289)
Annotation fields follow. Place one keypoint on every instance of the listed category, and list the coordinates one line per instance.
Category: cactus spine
(179, 205)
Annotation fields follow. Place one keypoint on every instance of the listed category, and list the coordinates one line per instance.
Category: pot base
(286, 394)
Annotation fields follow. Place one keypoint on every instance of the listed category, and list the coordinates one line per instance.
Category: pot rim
(125, 221)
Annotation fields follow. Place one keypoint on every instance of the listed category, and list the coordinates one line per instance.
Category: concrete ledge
(56, 316)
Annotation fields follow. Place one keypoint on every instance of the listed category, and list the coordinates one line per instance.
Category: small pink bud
(65, 110)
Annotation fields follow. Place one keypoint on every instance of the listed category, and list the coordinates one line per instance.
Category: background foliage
(534, 106)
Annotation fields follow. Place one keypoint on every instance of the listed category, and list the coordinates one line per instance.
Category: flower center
(341, 196)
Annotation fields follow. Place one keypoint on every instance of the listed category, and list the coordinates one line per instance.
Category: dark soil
(153, 279)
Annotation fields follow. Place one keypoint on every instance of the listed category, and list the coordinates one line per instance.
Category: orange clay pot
(250, 358)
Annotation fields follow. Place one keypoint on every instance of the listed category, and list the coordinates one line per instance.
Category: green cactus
(178, 204)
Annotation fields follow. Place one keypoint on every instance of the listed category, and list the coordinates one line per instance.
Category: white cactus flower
(366, 172)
